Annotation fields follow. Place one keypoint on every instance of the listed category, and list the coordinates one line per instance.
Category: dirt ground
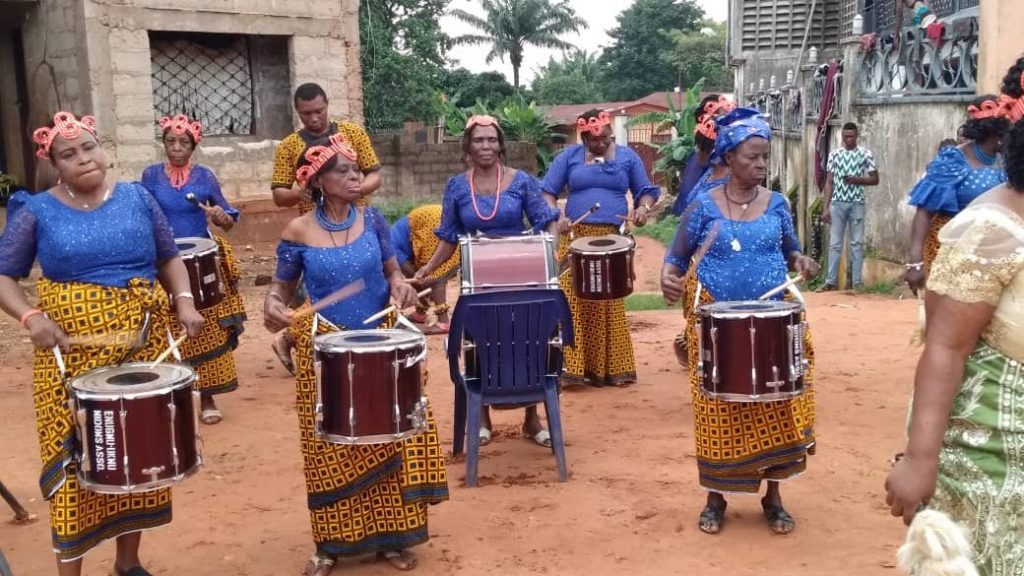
(630, 505)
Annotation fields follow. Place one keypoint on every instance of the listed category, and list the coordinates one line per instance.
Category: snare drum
(508, 263)
(369, 386)
(136, 427)
(602, 266)
(751, 351)
(202, 260)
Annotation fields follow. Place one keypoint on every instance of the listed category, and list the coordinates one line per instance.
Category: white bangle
(275, 295)
(184, 295)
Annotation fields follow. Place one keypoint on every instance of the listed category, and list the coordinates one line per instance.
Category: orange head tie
(180, 124)
(1010, 107)
(988, 109)
(318, 157)
(66, 126)
(594, 125)
(482, 120)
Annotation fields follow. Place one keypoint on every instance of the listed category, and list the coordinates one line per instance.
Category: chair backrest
(512, 332)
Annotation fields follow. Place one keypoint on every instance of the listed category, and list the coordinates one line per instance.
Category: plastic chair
(512, 331)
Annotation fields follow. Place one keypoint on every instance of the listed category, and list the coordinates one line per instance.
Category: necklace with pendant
(735, 242)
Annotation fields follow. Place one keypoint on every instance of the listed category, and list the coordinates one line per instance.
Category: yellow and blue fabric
(88, 289)
(606, 183)
(413, 238)
(290, 150)
(740, 444)
(523, 196)
(211, 352)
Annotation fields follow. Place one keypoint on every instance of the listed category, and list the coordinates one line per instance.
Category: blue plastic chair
(512, 331)
(5, 570)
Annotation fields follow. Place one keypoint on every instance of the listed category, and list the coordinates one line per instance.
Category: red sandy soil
(630, 505)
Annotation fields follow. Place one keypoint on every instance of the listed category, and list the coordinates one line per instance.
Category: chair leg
(474, 406)
(555, 428)
(459, 435)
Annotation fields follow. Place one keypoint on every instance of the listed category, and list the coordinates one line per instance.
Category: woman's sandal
(403, 560)
(779, 521)
(133, 571)
(711, 518)
(283, 355)
(318, 566)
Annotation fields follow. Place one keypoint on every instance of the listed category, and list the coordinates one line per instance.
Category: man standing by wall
(850, 169)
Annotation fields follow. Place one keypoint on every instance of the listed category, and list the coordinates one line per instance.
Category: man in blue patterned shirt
(850, 169)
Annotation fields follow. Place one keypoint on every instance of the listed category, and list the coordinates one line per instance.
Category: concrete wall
(10, 114)
(1001, 41)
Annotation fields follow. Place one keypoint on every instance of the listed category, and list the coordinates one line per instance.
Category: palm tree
(509, 25)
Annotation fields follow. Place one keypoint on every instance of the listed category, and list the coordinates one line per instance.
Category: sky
(600, 20)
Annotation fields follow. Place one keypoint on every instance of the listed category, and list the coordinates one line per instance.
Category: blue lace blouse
(124, 238)
(523, 195)
(607, 183)
(187, 219)
(951, 183)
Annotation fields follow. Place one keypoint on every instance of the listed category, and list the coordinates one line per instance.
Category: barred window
(769, 25)
(206, 76)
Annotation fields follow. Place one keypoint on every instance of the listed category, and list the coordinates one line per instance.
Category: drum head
(750, 308)
(194, 245)
(133, 378)
(606, 244)
(368, 341)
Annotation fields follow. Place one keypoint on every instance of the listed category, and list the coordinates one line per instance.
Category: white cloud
(600, 15)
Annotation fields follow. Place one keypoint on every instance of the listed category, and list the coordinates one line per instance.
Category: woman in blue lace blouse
(598, 171)
(190, 196)
(956, 176)
(102, 248)
(362, 499)
(491, 199)
(748, 232)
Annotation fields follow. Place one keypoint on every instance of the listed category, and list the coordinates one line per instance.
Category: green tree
(635, 64)
(466, 87)
(401, 44)
(575, 79)
(702, 54)
(508, 26)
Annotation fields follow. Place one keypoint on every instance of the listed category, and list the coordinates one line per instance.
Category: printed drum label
(210, 278)
(104, 441)
(593, 276)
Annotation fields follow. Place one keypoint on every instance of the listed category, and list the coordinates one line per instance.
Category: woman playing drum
(363, 499)
(101, 247)
(489, 199)
(414, 241)
(190, 196)
(748, 235)
(598, 171)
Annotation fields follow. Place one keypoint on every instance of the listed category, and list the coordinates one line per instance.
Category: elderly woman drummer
(745, 233)
(102, 247)
(369, 499)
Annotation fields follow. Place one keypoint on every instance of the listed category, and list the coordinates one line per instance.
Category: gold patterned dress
(981, 463)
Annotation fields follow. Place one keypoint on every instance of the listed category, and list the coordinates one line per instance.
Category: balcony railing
(817, 92)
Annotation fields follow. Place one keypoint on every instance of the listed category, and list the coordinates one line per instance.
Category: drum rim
(630, 245)
(414, 340)
(778, 308)
(189, 376)
(149, 486)
(197, 251)
(539, 237)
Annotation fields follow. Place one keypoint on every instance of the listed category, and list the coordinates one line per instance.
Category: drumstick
(163, 355)
(700, 253)
(622, 216)
(393, 307)
(60, 360)
(784, 286)
(192, 198)
(332, 298)
(591, 210)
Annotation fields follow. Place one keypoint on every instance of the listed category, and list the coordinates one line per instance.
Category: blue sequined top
(187, 219)
(692, 174)
(606, 183)
(324, 270)
(123, 238)
(523, 195)
(759, 265)
(707, 183)
(401, 240)
(951, 183)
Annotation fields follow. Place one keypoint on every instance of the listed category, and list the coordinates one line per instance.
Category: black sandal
(779, 521)
(133, 571)
(711, 518)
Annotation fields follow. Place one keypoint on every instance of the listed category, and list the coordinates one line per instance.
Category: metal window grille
(769, 25)
(206, 76)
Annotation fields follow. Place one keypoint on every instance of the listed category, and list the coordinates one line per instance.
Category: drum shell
(508, 263)
(756, 357)
(136, 443)
(602, 275)
(204, 275)
(361, 401)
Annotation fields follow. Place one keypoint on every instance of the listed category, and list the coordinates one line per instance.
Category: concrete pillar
(619, 129)
(1001, 42)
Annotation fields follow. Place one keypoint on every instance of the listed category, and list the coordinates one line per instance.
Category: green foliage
(575, 79)
(635, 65)
(401, 44)
(464, 88)
(701, 54)
(639, 302)
(508, 26)
(885, 288)
(395, 208)
(663, 230)
(673, 154)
